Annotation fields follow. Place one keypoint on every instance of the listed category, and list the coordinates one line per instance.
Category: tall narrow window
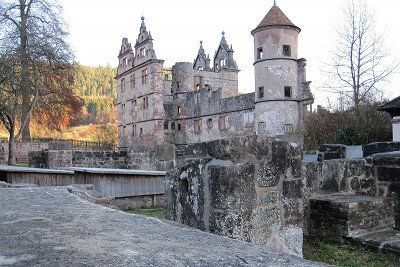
(166, 125)
(288, 91)
(134, 105)
(261, 92)
(133, 81)
(142, 52)
(123, 109)
(124, 131)
(179, 110)
(287, 51)
(123, 85)
(141, 132)
(260, 53)
(144, 76)
(179, 126)
(222, 62)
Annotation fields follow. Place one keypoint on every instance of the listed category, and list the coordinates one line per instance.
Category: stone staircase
(365, 219)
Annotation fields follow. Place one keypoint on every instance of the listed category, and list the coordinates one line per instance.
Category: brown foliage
(355, 126)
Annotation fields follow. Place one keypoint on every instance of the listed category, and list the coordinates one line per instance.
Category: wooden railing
(75, 143)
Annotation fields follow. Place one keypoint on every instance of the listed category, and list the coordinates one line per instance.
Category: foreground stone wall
(22, 150)
(249, 188)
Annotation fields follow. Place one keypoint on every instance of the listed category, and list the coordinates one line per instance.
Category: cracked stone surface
(50, 226)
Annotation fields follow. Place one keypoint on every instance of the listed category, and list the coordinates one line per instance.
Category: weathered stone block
(331, 151)
(340, 216)
(292, 189)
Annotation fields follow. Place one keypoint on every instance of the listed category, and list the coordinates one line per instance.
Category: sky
(97, 27)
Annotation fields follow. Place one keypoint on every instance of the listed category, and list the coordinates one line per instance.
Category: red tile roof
(275, 17)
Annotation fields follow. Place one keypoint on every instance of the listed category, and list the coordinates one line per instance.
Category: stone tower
(281, 90)
(141, 93)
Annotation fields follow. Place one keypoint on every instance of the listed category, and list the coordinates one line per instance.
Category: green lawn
(155, 212)
(347, 255)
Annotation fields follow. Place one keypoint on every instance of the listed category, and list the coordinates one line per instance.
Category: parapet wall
(249, 188)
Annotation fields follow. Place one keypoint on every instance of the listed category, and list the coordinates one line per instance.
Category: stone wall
(334, 151)
(22, 150)
(380, 147)
(249, 188)
(61, 156)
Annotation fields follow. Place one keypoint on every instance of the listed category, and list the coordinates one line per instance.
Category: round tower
(278, 92)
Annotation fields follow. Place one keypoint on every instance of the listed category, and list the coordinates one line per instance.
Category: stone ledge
(82, 233)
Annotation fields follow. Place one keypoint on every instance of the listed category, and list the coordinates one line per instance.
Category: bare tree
(34, 33)
(360, 61)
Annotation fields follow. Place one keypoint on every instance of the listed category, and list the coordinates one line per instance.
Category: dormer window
(142, 52)
(200, 68)
(125, 62)
(222, 62)
(287, 50)
(260, 53)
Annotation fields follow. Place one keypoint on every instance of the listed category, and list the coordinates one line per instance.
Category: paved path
(49, 226)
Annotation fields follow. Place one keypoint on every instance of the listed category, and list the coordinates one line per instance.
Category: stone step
(384, 241)
(337, 217)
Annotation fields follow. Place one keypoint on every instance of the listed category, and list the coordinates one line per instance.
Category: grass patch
(154, 212)
(347, 255)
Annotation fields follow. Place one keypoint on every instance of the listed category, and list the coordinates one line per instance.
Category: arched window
(141, 132)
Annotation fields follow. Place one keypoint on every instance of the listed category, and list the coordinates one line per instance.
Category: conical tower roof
(275, 18)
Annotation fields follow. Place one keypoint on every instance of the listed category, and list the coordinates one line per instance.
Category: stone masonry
(248, 188)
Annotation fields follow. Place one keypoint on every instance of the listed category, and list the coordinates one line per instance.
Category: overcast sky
(98, 26)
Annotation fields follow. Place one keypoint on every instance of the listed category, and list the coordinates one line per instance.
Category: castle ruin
(200, 101)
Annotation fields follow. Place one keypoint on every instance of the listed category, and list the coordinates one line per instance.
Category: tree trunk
(26, 131)
(26, 94)
(11, 150)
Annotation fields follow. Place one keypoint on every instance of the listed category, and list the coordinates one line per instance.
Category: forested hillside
(88, 111)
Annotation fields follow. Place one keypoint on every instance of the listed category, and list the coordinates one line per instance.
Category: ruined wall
(216, 118)
(249, 188)
(224, 79)
(161, 158)
(56, 159)
(22, 150)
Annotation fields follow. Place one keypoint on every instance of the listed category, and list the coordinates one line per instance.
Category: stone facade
(249, 188)
(200, 102)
